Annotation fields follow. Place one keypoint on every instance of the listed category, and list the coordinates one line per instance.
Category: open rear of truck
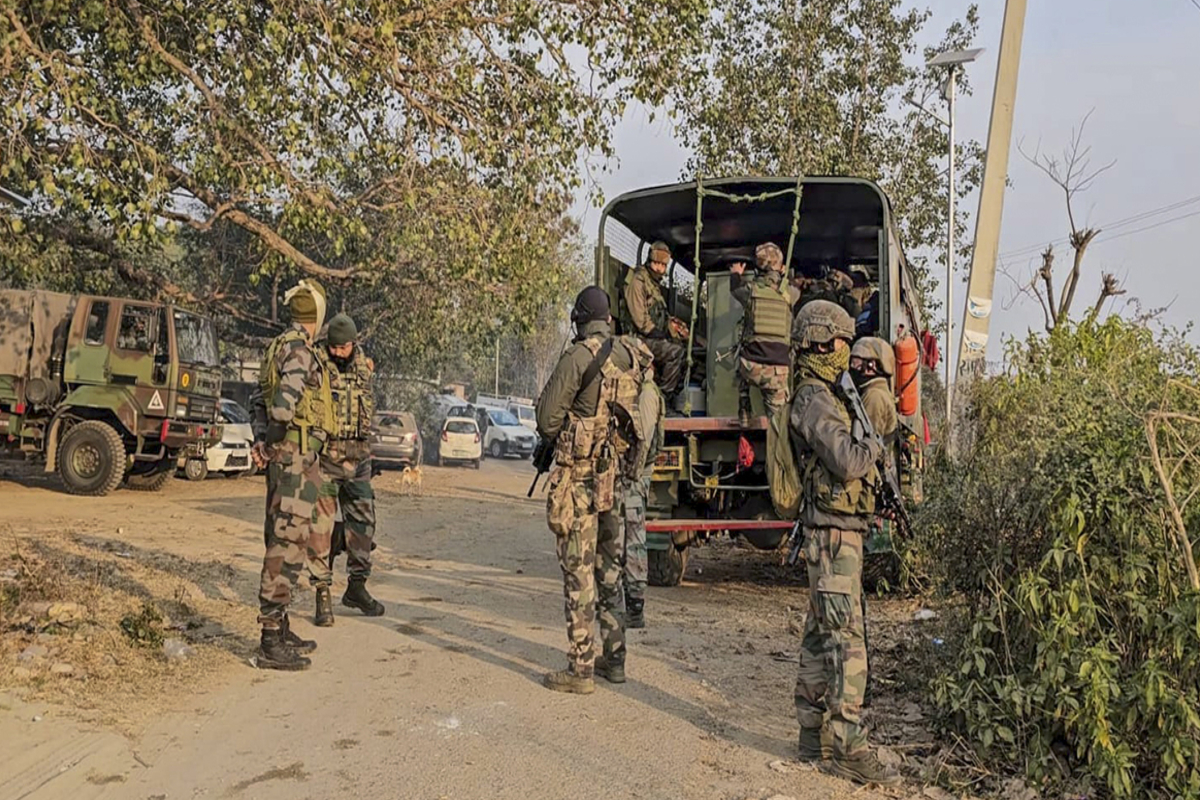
(711, 477)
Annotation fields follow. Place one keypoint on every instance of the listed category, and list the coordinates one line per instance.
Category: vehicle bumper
(228, 459)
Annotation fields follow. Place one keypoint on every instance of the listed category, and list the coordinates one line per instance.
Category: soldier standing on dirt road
(764, 356)
(293, 417)
(593, 379)
(839, 501)
(346, 463)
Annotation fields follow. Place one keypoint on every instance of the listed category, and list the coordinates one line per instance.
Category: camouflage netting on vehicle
(28, 323)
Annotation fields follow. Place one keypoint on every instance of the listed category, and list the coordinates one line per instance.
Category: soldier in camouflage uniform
(651, 407)
(872, 365)
(839, 501)
(293, 417)
(645, 315)
(347, 462)
(580, 410)
(765, 352)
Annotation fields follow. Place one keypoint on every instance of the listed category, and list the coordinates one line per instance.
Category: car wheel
(441, 461)
(91, 459)
(196, 469)
(477, 462)
(496, 450)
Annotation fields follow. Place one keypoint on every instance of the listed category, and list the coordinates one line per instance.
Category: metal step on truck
(106, 390)
(705, 481)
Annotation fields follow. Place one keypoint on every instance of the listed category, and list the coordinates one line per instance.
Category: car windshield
(461, 426)
(526, 412)
(503, 418)
(392, 421)
(196, 340)
(234, 414)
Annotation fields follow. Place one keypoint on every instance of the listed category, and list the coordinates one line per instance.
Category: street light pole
(496, 391)
(950, 245)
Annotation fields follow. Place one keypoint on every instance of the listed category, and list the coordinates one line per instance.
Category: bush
(1081, 658)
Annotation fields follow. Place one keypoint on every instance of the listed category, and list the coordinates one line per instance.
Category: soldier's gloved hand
(276, 432)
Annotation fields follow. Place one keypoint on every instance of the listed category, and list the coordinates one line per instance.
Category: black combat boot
(611, 667)
(293, 641)
(357, 596)
(275, 653)
(635, 616)
(324, 616)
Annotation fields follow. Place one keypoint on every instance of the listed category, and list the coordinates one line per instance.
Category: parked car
(395, 440)
(231, 455)
(506, 436)
(460, 441)
(520, 407)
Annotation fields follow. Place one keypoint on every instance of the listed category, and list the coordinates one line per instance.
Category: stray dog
(410, 481)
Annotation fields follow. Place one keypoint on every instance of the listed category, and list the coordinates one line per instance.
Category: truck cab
(710, 476)
(107, 389)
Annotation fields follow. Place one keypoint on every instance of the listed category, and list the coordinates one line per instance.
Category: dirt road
(440, 698)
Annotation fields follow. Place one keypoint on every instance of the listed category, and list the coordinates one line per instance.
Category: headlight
(181, 410)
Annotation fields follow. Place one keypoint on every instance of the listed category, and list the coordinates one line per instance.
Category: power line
(1147, 228)
(1056, 243)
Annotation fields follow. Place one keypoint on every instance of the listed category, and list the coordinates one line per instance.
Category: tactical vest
(854, 498)
(769, 317)
(315, 408)
(616, 425)
(351, 397)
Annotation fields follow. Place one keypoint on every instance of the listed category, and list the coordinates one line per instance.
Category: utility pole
(982, 277)
(496, 391)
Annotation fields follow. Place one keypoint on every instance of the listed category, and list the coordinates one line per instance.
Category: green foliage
(144, 629)
(417, 158)
(817, 87)
(1081, 659)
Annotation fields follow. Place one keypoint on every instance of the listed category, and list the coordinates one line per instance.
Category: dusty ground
(438, 699)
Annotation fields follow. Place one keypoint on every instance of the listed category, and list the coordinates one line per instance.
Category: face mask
(823, 366)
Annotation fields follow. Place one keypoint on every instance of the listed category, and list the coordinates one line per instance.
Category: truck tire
(195, 469)
(666, 567)
(151, 482)
(91, 459)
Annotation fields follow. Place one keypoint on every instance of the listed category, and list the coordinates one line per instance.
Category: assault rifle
(891, 502)
(543, 459)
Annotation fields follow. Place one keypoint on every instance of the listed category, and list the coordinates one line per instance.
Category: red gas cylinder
(908, 364)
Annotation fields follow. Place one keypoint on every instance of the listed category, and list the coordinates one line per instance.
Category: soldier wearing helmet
(293, 420)
(644, 314)
(839, 501)
(765, 353)
(872, 365)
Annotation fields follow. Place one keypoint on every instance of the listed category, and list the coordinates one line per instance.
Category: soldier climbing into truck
(106, 389)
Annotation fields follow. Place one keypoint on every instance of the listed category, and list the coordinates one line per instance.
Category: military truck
(105, 389)
(710, 477)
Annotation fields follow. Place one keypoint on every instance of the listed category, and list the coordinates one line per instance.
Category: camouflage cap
(877, 349)
(821, 321)
(663, 252)
(768, 256)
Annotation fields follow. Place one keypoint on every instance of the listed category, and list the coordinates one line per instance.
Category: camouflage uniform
(645, 315)
(764, 356)
(637, 568)
(839, 501)
(582, 507)
(347, 463)
(299, 518)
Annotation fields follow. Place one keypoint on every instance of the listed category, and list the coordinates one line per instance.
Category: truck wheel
(91, 459)
(152, 482)
(196, 469)
(667, 566)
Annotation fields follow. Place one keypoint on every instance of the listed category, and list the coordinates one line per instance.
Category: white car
(506, 436)
(460, 442)
(231, 455)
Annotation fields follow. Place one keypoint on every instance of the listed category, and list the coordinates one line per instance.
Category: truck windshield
(196, 340)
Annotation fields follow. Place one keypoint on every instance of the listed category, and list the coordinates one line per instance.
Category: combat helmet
(878, 350)
(821, 321)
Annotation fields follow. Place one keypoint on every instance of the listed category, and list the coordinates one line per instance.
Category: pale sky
(1137, 64)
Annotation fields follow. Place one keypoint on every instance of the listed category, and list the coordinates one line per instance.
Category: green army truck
(710, 477)
(106, 390)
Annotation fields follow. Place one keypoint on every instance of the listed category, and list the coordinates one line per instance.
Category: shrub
(1081, 658)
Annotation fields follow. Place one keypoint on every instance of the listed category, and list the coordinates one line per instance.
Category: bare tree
(1072, 172)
